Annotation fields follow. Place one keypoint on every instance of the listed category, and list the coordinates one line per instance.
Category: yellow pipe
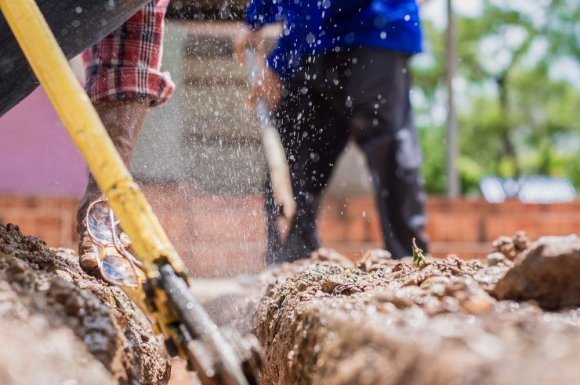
(84, 126)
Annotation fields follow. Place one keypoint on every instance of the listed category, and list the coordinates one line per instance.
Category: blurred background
(497, 101)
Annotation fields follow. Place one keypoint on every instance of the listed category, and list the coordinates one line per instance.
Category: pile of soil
(511, 319)
(327, 321)
(59, 325)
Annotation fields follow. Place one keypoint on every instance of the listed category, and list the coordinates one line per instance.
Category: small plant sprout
(418, 257)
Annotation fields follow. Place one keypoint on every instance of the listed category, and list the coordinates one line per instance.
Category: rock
(495, 258)
(373, 259)
(521, 241)
(547, 272)
(88, 327)
(428, 283)
(480, 304)
(511, 247)
(328, 255)
(33, 353)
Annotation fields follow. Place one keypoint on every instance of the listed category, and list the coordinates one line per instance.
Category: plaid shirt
(125, 64)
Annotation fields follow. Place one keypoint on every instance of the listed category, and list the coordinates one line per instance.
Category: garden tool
(160, 284)
(272, 145)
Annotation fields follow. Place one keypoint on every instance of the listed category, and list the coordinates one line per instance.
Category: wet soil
(389, 322)
(59, 325)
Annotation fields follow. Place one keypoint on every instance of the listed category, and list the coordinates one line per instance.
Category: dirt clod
(71, 327)
(511, 247)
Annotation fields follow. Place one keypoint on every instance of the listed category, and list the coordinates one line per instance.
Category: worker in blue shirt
(340, 71)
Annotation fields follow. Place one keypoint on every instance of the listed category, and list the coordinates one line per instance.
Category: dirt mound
(389, 322)
(320, 321)
(68, 325)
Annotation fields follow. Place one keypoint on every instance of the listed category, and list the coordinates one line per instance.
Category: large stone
(547, 272)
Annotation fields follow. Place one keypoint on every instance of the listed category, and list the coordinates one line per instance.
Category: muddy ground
(513, 318)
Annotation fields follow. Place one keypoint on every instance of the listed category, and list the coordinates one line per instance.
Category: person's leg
(314, 134)
(271, 212)
(123, 121)
(292, 122)
(123, 81)
(383, 127)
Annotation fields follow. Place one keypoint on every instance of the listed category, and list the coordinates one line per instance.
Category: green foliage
(515, 117)
(418, 257)
(433, 144)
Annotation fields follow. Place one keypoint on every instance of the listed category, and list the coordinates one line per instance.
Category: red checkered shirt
(125, 64)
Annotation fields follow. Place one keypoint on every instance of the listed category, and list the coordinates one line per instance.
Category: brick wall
(51, 219)
(462, 226)
(225, 235)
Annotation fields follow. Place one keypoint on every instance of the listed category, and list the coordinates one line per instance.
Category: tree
(515, 117)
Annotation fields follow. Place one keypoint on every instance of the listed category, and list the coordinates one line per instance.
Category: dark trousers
(361, 94)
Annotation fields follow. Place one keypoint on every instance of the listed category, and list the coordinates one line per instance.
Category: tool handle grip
(252, 65)
(215, 359)
(254, 77)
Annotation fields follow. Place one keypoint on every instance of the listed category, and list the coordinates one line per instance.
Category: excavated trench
(512, 319)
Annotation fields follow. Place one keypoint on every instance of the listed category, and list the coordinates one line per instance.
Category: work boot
(302, 238)
(272, 214)
(123, 122)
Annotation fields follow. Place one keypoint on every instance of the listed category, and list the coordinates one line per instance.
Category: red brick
(453, 227)
(223, 234)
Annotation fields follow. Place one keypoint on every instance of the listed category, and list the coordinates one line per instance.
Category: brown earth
(61, 326)
(321, 321)
(388, 322)
(329, 321)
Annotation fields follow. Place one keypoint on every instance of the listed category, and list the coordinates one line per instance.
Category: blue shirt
(318, 26)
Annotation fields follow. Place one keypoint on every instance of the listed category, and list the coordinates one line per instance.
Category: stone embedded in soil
(70, 326)
(33, 353)
(547, 272)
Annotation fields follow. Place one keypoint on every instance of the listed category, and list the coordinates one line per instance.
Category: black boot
(273, 240)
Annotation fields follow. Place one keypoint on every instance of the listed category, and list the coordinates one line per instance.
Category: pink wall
(36, 155)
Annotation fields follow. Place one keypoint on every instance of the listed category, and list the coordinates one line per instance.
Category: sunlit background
(517, 103)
